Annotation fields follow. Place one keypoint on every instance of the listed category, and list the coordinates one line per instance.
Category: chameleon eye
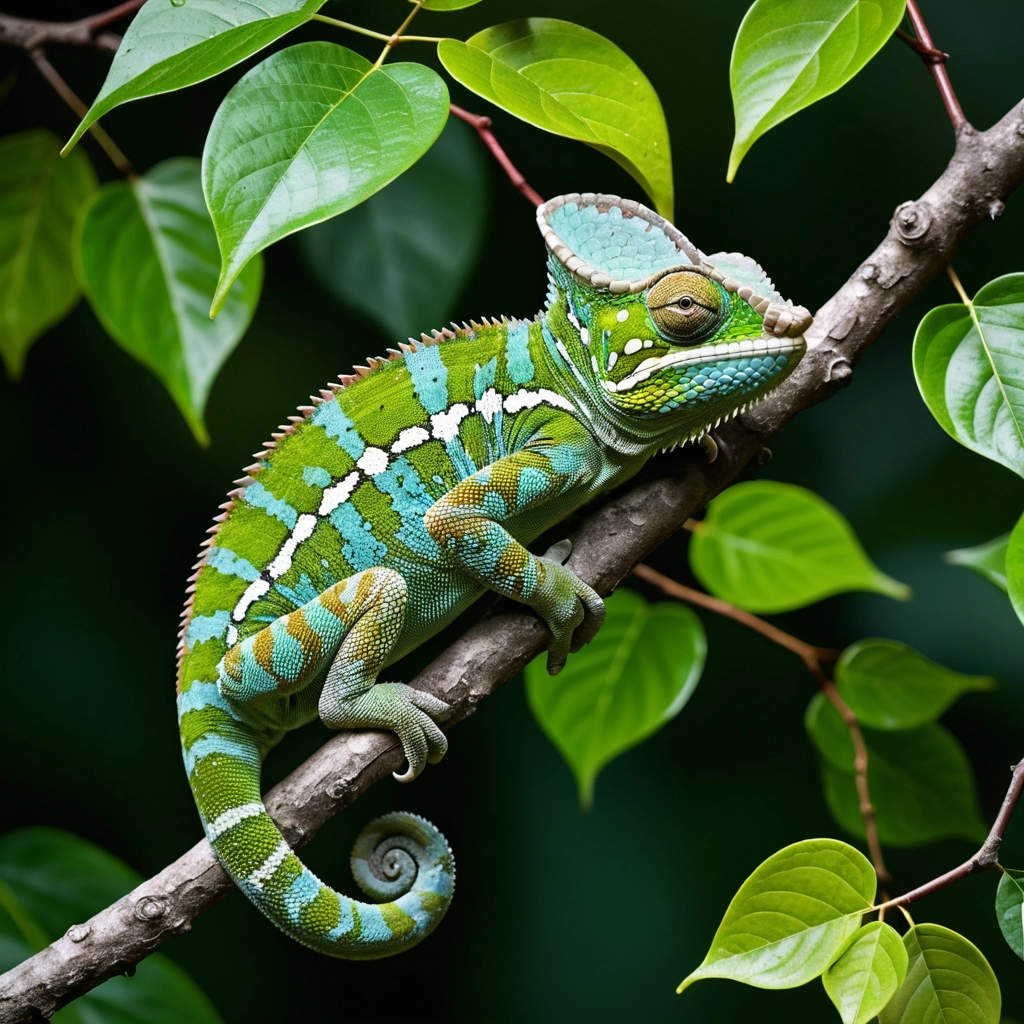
(685, 306)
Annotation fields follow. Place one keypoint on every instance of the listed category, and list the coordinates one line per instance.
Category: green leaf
(867, 973)
(948, 982)
(575, 83)
(625, 684)
(53, 880)
(170, 45)
(447, 5)
(920, 780)
(988, 559)
(773, 547)
(889, 685)
(789, 54)
(1010, 909)
(147, 261)
(969, 364)
(404, 255)
(40, 196)
(1015, 568)
(309, 133)
(791, 916)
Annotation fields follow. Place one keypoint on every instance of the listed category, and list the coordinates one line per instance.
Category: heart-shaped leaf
(40, 196)
(572, 82)
(772, 547)
(625, 684)
(969, 363)
(147, 260)
(791, 916)
(920, 779)
(1015, 568)
(889, 685)
(948, 981)
(403, 256)
(172, 45)
(1010, 909)
(988, 559)
(867, 973)
(51, 880)
(789, 54)
(309, 133)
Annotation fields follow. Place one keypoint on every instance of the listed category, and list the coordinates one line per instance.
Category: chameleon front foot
(573, 611)
(406, 711)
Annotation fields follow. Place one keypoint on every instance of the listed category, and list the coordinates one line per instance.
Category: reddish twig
(935, 60)
(483, 128)
(986, 857)
(812, 657)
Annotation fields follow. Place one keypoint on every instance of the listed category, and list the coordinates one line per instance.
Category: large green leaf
(1015, 568)
(948, 981)
(147, 261)
(309, 133)
(171, 45)
(969, 363)
(889, 685)
(40, 196)
(403, 256)
(772, 547)
(791, 916)
(789, 54)
(988, 559)
(867, 973)
(1010, 909)
(920, 780)
(51, 880)
(625, 684)
(572, 82)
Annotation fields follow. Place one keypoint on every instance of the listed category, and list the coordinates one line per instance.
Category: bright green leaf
(988, 559)
(625, 684)
(172, 45)
(403, 256)
(40, 196)
(867, 973)
(772, 547)
(948, 981)
(969, 363)
(789, 54)
(572, 82)
(1010, 909)
(889, 685)
(1015, 568)
(920, 780)
(147, 261)
(309, 133)
(447, 5)
(791, 916)
(53, 880)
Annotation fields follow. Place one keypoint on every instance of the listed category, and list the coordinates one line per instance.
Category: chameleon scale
(404, 492)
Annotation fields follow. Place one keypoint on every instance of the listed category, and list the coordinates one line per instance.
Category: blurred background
(560, 915)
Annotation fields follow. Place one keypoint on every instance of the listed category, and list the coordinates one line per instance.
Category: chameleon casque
(405, 492)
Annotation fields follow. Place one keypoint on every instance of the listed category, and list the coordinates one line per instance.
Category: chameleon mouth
(751, 348)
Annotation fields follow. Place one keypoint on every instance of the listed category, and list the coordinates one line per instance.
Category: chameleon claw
(707, 442)
(559, 552)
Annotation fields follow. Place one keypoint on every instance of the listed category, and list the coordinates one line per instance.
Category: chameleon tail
(399, 859)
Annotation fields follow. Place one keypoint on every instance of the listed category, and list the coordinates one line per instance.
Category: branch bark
(923, 235)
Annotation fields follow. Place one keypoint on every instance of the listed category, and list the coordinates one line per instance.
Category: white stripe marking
(339, 493)
(446, 424)
(270, 865)
(488, 404)
(253, 592)
(373, 461)
(524, 399)
(411, 437)
(632, 347)
(230, 818)
(303, 531)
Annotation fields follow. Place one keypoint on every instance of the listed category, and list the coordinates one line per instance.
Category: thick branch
(30, 34)
(922, 238)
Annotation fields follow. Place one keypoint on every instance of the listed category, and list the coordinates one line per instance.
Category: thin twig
(987, 856)
(396, 37)
(482, 125)
(935, 60)
(812, 657)
(68, 95)
(376, 35)
(29, 34)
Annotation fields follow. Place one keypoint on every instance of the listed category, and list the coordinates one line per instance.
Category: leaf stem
(951, 273)
(482, 124)
(921, 42)
(375, 35)
(396, 37)
(812, 657)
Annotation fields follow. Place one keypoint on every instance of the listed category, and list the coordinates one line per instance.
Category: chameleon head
(669, 331)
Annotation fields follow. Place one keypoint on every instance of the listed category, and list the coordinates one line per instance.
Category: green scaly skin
(398, 498)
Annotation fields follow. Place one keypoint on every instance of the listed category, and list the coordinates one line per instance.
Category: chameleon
(412, 486)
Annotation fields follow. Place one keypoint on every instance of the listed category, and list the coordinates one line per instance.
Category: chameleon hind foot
(573, 611)
(406, 711)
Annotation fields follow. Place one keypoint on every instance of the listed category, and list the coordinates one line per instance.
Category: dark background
(560, 915)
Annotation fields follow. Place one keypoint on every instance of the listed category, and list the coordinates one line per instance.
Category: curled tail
(400, 859)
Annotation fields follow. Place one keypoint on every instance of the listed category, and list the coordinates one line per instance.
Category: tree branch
(30, 34)
(923, 235)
